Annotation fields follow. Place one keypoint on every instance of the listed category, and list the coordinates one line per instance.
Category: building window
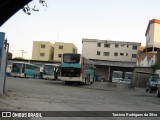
(126, 54)
(115, 54)
(98, 53)
(121, 54)
(59, 55)
(127, 46)
(116, 45)
(60, 47)
(42, 54)
(122, 45)
(106, 54)
(134, 56)
(107, 45)
(98, 44)
(43, 46)
(134, 47)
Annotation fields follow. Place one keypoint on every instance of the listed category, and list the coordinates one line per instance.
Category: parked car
(126, 81)
(158, 89)
(151, 84)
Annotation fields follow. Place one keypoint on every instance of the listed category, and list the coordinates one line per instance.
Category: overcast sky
(71, 20)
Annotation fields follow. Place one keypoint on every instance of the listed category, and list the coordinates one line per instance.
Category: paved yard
(47, 95)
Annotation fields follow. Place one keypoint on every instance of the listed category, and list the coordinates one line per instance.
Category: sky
(70, 21)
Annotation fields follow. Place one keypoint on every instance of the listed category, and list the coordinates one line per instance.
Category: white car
(125, 81)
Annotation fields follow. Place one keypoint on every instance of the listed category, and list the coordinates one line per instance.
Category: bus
(128, 76)
(25, 70)
(117, 76)
(8, 71)
(51, 71)
(76, 68)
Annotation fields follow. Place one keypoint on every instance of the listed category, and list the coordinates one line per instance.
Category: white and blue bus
(76, 68)
(51, 71)
(22, 69)
(117, 76)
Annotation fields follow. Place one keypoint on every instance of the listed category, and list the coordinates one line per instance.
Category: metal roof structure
(114, 63)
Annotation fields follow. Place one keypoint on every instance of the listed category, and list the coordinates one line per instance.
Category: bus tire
(158, 93)
(85, 82)
(91, 82)
(24, 75)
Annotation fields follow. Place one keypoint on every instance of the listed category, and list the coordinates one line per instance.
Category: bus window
(68, 58)
(16, 67)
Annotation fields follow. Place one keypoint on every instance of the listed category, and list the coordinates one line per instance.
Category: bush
(156, 66)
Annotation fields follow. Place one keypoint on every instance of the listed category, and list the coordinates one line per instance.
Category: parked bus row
(117, 76)
(28, 70)
(73, 68)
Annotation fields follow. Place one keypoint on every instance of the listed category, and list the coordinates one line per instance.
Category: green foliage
(156, 66)
(18, 58)
(10, 55)
(27, 9)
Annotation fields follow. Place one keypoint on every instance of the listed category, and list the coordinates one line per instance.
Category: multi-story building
(110, 50)
(42, 50)
(60, 48)
(47, 51)
(153, 35)
(149, 57)
(110, 56)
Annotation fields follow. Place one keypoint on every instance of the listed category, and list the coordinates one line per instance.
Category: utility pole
(23, 53)
(6, 47)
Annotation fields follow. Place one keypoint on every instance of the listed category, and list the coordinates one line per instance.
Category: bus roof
(118, 71)
(26, 63)
(52, 64)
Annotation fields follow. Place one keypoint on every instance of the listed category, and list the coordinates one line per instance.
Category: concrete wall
(153, 36)
(157, 72)
(65, 48)
(37, 50)
(150, 36)
(157, 35)
(141, 75)
(147, 61)
(2, 72)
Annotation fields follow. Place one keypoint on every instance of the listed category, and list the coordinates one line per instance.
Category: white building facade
(146, 60)
(110, 50)
(153, 35)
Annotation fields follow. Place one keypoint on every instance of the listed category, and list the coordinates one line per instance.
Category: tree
(156, 66)
(10, 55)
(27, 9)
(9, 7)
(18, 58)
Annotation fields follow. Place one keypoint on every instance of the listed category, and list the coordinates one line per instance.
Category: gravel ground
(47, 95)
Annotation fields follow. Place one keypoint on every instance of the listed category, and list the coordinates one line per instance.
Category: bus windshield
(16, 67)
(71, 58)
(71, 72)
(48, 70)
(128, 76)
(117, 75)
